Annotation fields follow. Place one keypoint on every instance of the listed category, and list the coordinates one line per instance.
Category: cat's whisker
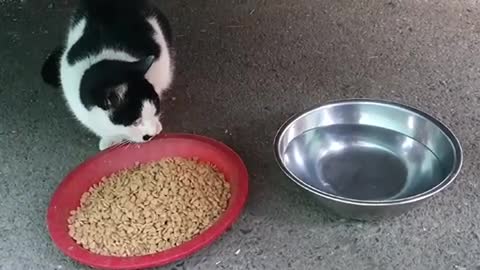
(128, 145)
(120, 144)
(115, 146)
(124, 143)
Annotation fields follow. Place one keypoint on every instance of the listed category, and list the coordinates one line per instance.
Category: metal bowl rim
(458, 162)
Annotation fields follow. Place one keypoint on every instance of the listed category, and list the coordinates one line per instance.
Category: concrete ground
(243, 67)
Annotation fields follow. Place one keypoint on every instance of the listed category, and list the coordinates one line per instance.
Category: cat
(113, 68)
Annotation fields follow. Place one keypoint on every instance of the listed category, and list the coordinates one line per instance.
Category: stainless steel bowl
(366, 159)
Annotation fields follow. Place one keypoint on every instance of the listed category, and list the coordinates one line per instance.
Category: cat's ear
(114, 96)
(143, 65)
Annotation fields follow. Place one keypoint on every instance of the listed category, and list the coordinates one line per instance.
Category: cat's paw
(107, 142)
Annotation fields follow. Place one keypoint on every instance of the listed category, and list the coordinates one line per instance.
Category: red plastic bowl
(67, 196)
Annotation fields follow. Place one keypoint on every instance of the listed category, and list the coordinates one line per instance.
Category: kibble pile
(150, 208)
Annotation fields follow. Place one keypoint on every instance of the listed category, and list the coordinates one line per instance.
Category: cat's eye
(137, 123)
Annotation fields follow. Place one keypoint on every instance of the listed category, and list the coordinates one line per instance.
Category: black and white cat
(114, 67)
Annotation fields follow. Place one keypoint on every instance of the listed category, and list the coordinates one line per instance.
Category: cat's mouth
(144, 139)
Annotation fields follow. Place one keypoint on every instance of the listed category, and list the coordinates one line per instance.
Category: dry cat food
(150, 208)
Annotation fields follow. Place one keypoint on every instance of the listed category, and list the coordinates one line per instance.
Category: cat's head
(128, 100)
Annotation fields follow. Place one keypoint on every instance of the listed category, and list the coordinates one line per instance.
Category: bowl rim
(165, 257)
(454, 141)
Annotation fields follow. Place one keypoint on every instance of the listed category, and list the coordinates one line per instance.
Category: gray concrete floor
(244, 66)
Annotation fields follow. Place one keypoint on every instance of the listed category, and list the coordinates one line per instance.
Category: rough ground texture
(244, 66)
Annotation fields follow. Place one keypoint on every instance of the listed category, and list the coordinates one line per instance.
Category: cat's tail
(51, 68)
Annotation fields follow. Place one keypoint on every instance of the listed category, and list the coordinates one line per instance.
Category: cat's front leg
(106, 142)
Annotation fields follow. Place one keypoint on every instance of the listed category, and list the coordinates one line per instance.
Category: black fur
(119, 25)
(128, 111)
(102, 78)
(100, 87)
(51, 68)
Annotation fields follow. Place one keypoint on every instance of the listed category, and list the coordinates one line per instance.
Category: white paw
(107, 142)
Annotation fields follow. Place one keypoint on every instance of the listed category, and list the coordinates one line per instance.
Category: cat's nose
(146, 137)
